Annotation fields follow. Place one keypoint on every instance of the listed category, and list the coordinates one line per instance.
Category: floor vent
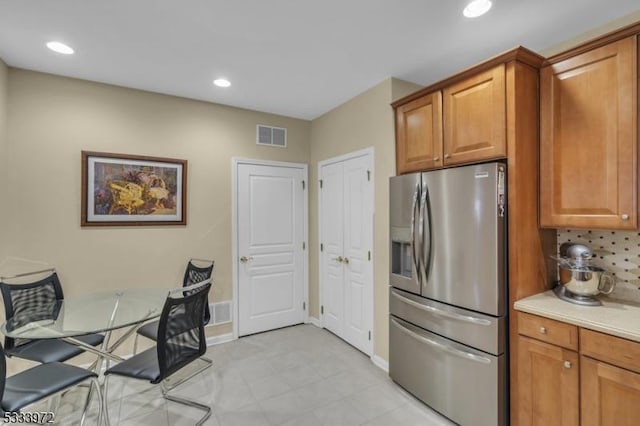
(271, 136)
(220, 312)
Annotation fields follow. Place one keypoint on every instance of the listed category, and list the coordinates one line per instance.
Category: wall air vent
(220, 312)
(271, 136)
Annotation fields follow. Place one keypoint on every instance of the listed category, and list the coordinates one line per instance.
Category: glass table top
(90, 313)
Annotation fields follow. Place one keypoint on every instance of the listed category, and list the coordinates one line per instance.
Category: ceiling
(298, 58)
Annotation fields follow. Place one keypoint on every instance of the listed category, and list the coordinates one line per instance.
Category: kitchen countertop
(615, 317)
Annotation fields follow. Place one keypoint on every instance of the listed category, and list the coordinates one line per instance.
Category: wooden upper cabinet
(419, 134)
(475, 118)
(588, 136)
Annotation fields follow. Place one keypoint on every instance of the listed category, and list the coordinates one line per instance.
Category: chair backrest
(30, 300)
(196, 274)
(181, 338)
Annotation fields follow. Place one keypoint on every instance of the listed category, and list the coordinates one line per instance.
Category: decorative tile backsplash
(617, 252)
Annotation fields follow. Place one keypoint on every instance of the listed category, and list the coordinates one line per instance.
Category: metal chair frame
(91, 383)
(208, 361)
(163, 383)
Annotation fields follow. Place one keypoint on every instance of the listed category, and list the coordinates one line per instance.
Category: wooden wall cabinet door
(588, 139)
(610, 395)
(548, 384)
(475, 118)
(419, 134)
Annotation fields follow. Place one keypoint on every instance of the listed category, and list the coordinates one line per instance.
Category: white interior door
(358, 242)
(346, 223)
(270, 224)
(332, 209)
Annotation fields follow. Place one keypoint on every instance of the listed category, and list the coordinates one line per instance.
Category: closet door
(332, 225)
(346, 234)
(358, 229)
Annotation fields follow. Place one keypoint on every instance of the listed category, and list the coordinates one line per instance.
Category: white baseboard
(380, 363)
(222, 338)
(314, 321)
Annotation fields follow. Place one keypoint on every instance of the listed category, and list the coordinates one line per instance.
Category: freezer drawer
(464, 384)
(480, 331)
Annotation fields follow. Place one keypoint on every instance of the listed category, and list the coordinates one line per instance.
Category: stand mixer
(580, 280)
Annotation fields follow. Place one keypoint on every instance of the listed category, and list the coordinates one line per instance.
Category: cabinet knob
(567, 364)
(624, 216)
(436, 158)
(346, 260)
(338, 259)
(543, 330)
(447, 156)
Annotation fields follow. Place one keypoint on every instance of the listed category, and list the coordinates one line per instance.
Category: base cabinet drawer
(610, 395)
(548, 330)
(614, 350)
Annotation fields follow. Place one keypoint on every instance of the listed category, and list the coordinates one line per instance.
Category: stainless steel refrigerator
(448, 294)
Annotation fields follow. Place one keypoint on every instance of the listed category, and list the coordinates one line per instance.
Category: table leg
(102, 355)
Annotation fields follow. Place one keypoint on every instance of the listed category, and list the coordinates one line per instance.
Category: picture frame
(132, 190)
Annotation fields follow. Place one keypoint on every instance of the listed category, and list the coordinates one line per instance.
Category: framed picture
(132, 190)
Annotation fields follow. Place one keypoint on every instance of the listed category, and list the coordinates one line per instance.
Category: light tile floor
(296, 376)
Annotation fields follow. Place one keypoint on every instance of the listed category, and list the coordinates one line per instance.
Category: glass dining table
(101, 312)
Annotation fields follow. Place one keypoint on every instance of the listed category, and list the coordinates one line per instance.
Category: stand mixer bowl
(580, 281)
(586, 280)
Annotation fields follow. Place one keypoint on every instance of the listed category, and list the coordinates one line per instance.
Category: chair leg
(187, 402)
(104, 405)
(208, 362)
(86, 406)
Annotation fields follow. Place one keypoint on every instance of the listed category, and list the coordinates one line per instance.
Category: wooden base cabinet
(610, 395)
(549, 384)
(568, 375)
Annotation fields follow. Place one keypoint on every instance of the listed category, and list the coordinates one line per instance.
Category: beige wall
(51, 119)
(3, 156)
(362, 122)
(629, 19)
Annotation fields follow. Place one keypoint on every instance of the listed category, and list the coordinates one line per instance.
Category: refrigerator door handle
(441, 346)
(440, 312)
(415, 242)
(425, 232)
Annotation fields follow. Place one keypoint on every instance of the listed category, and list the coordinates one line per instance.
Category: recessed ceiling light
(222, 82)
(477, 8)
(58, 47)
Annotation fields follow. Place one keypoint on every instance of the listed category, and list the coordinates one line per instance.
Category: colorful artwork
(132, 190)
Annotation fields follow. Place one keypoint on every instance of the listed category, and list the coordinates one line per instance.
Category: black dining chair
(33, 300)
(39, 383)
(180, 341)
(193, 274)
